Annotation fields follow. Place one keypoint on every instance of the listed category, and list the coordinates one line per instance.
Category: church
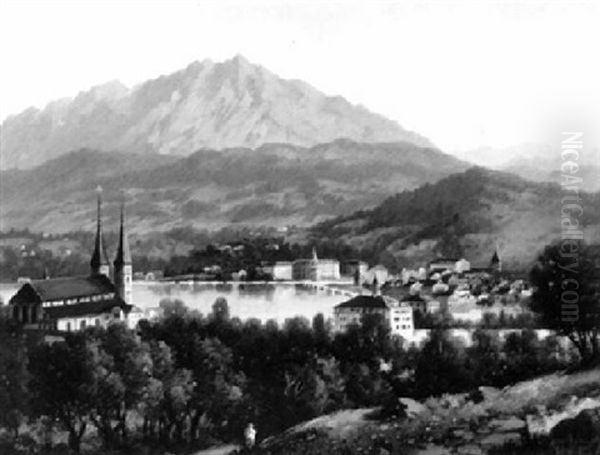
(74, 303)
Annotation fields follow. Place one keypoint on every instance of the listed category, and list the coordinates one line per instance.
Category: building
(134, 317)
(398, 315)
(462, 266)
(355, 269)
(378, 272)
(316, 269)
(416, 302)
(74, 303)
(279, 271)
(441, 264)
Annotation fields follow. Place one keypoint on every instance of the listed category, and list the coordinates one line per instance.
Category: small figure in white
(250, 435)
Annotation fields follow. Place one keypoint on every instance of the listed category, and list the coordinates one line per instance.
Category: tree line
(187, 381)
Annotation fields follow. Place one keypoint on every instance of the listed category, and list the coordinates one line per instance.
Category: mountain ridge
(205, 105)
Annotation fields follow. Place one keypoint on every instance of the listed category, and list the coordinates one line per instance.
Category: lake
(278, 301)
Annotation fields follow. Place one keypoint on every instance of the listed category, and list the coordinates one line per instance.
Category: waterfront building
(74, 303)
(378, 272)
(355, 269)
(399, 315)
(279, 271)
(315, 269)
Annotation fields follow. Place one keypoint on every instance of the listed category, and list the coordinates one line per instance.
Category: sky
(465, 74)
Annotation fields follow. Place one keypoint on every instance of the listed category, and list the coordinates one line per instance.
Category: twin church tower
(122, 275)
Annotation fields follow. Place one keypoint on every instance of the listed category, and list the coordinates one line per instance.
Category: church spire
(99, 263)
(123, 266)
(496, 261)
(123, 252)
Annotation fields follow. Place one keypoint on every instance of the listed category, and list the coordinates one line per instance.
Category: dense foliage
(567, 294)
(189, 380)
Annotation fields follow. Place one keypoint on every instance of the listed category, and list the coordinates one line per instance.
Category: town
(446, 292)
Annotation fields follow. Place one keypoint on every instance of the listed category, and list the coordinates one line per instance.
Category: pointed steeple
(314, 254)
(123, 252)
(99, 263)
(496, 261)
(375, 289)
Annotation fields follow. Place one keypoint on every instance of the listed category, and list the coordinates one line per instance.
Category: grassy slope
(449, 421)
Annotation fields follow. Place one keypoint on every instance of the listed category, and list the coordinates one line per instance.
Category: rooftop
(71, 287)
(364, 301)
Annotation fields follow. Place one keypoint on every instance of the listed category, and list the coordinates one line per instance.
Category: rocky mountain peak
(234, 103)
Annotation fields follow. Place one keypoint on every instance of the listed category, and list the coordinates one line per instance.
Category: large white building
(279, 271)
(399, 315)
(74, 303)
(316, 269)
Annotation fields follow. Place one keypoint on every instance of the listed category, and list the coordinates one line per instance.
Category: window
(68, 326)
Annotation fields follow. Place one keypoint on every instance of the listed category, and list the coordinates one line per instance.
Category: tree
(174, 307)
(440, 368)
(484, 355)
(13, 377)
(62, 384)
(167, 397)
(218, 387)
(220, 309)
(566, 295)
(121, 369)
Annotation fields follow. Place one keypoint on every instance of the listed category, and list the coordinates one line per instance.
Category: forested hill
(272, 185)
(465, 214)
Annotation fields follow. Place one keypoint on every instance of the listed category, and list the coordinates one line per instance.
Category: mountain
(206, 105)
(537, 161)
(272, 185)
(466, 215)
(542, 163)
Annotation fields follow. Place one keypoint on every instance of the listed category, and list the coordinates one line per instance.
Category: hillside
(275, 184)
(206, 105)
(465, 215)
(551, 408)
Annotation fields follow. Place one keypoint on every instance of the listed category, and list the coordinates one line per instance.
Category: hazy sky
(463, 73)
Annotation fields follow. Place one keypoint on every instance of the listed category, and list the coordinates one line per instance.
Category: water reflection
(263, 301)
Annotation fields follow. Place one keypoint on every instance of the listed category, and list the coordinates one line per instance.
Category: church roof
(364, 301)
(86, 308)
(71, 287)
(413, 298)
